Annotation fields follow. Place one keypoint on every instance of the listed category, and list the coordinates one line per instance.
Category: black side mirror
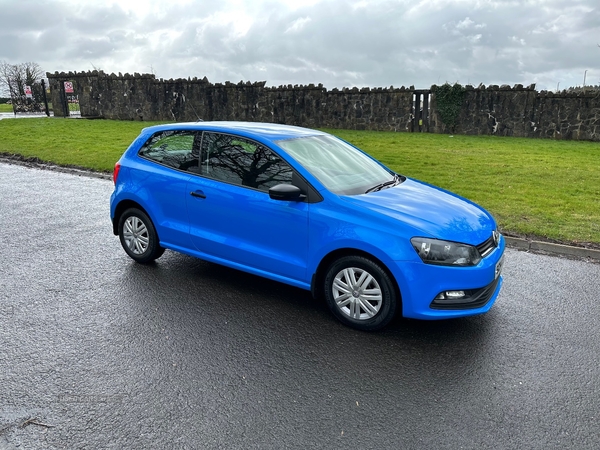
(286, 192)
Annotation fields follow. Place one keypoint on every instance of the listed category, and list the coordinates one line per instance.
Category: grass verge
(92, 144)
(536, 188)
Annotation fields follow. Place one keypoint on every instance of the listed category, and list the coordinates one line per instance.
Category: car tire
(360, 293)
(138, 236)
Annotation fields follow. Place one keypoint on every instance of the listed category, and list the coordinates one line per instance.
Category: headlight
(435, 251)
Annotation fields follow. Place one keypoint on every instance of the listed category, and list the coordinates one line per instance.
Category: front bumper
(421, 283)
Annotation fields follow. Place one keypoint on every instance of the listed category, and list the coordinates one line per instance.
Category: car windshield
(340, 167)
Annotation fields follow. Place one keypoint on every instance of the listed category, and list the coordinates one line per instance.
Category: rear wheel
(360, 293)
(138, 236)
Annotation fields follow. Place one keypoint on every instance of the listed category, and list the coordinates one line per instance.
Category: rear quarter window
(174, 148)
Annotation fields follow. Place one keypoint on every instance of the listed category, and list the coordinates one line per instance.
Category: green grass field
(537, 188)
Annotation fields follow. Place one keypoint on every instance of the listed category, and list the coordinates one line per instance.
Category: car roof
(256, 130)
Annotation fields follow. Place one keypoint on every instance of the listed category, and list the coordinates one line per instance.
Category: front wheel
(360, 293)
(138, 236)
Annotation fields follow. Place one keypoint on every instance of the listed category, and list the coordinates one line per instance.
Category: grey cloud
(23, 16)
(334, 42)
(98, 20)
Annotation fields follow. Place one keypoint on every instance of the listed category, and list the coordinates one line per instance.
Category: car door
(168, 159)
(231, 215)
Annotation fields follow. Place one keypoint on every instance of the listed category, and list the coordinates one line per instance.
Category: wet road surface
(99, 352)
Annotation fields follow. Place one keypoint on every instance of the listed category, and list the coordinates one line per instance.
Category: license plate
(499, 265)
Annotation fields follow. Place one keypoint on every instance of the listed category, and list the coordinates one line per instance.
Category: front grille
(485, 248)
(476, 298)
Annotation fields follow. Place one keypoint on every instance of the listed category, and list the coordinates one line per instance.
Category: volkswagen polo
(306, 208)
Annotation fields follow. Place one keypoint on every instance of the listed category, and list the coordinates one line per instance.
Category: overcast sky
(340, 43)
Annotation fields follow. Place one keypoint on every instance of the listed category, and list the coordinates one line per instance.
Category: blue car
(305, 208)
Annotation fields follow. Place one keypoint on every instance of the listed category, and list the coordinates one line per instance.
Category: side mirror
(286, 192)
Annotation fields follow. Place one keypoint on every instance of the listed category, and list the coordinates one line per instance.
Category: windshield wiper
(380, 186)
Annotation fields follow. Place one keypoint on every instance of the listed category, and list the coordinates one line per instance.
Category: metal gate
(29, 99)
(420, 121)
(70, 99)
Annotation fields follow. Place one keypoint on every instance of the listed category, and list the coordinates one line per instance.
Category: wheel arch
(123, 206)
(319, 275)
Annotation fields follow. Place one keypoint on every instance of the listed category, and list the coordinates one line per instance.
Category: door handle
(198, 194)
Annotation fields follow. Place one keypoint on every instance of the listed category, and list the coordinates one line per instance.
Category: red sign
(69, 87)
(28, 93)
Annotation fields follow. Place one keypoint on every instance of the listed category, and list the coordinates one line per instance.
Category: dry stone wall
(525, 112)
(493, 110)
(143, 97)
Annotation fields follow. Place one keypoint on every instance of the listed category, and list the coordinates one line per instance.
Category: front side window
(173, 148)
(243, 162)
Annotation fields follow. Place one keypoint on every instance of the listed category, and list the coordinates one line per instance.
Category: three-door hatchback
(303, 207)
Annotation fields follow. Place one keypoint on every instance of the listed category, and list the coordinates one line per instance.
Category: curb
(33, 164)
(549, 247)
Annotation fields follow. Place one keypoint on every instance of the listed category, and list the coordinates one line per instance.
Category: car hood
(432, 211)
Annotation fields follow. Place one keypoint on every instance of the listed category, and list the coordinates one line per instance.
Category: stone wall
(143, 97)
(525, 112)
(494, 110)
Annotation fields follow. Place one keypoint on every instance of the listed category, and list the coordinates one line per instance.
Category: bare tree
(14, 77)
(13, 80)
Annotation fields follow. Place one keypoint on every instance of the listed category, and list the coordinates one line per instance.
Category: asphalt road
(99, 352)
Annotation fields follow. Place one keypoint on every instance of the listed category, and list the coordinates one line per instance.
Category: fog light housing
(465, 298)
(450, 295)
